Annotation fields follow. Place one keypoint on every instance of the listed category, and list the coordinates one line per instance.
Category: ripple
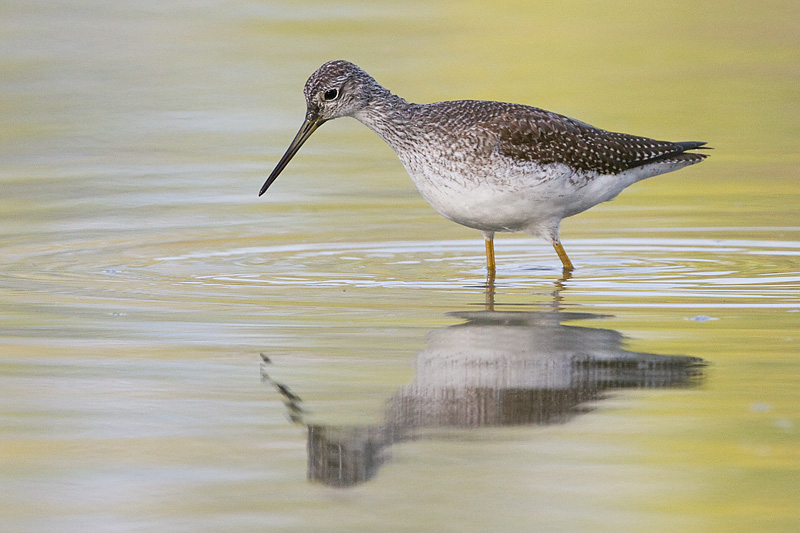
(736, 271)
(642, 272)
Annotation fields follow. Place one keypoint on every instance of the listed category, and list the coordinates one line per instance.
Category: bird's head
(337, 89)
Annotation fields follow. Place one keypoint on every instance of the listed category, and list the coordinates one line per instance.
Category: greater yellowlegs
(491, 166)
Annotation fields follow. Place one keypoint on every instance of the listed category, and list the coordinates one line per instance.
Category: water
(177, 354)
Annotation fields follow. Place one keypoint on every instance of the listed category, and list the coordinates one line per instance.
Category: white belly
(523, 197)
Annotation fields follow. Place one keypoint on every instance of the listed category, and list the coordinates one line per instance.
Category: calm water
(177, 354)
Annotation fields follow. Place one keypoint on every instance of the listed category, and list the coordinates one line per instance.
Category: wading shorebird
(491, 166)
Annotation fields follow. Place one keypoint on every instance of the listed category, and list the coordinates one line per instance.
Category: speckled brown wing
(535, 135)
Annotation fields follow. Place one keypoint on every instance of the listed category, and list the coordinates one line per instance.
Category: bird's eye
(331, 94)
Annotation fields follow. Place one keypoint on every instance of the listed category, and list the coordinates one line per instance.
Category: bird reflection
(493, 369)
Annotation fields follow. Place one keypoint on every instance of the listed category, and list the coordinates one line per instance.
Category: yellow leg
(563, 256)
(490, 270)
(489, 306)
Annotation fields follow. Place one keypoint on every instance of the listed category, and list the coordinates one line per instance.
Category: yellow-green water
(141, 277)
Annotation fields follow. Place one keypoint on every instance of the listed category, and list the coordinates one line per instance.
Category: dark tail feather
(692, 145)
(679, 155)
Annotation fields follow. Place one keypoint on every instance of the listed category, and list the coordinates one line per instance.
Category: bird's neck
(388, 115)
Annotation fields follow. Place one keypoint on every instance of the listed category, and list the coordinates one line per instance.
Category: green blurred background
(141, 276)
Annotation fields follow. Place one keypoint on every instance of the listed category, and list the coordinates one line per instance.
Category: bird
(491, 166)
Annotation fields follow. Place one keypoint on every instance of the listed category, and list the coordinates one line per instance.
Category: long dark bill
(309, 126)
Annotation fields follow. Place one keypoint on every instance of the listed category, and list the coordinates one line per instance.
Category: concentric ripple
(636, 272)
(727, 273)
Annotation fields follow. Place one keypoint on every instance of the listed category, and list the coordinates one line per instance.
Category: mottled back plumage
(533, 134)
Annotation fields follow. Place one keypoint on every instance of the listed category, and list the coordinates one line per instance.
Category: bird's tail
(680, 154)
(693, 145)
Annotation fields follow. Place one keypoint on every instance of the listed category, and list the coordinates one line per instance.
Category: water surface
(177, 354)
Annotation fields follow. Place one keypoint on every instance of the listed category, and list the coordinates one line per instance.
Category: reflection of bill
(497, 368)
